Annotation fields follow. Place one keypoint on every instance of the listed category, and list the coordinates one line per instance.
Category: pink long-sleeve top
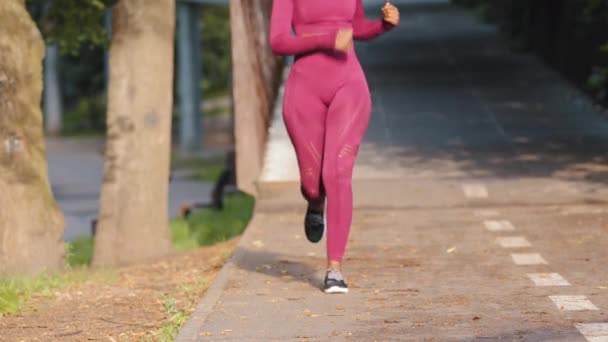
(316, 23)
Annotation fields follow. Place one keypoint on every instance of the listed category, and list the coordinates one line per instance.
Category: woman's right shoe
(314, 224)
(334, 282)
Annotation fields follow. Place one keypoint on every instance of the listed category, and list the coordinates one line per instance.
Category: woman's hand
(390, 14)
(344, 40)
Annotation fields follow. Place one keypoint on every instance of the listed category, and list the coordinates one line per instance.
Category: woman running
(326, 109)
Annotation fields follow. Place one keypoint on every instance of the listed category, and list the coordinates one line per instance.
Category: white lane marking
(487, 213)
(499, 226)
(475, 190)
(528, 259)
(594, 332)
(513, 242)
(548, 279)
(573, 303)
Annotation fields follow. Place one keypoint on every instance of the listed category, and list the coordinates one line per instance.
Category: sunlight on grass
(15, 292)
(209, 226)
(79, 252)
(203, 228)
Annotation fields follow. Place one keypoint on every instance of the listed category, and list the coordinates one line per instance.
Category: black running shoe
(334, 282)
(314, 224)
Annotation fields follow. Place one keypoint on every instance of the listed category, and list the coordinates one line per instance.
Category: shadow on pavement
(286, 269)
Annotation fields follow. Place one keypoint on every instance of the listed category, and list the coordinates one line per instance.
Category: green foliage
(71, 23)
(215, 41)
(209, 226)
(569, 35)
(87, 116)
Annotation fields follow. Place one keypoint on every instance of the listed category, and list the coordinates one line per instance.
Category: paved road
(481, 207)
(76, 172)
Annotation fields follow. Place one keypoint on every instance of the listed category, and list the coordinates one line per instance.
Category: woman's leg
(304, 115)
(346, 124)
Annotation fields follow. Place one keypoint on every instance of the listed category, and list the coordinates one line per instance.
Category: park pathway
(481, 206)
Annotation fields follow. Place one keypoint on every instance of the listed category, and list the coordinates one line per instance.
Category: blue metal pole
(197, 73)
(107, 23)
(188, 76)
(53, 108)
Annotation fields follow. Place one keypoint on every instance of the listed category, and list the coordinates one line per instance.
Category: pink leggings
(326, 111)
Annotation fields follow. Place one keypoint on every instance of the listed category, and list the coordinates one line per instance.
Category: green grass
(16, 292)
(203, 228)
(208, 226)
(79, 252)
(176, 319)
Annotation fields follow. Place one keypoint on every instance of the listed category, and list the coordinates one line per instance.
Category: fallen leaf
(476, 318)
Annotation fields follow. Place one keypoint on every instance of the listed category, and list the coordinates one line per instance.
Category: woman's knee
(341, 173)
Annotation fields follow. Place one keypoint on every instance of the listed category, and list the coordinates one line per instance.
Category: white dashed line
(513, 242)
(487, 213)
(548, 279)
(499, 226)
(528, 259)
(594, 332)
(573, 303)
(475, 190)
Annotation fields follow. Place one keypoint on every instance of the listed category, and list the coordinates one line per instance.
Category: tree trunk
(256, 73)
(31, 224)
(133, 216)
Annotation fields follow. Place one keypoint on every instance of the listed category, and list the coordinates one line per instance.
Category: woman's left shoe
(314, 224)
(334, 282)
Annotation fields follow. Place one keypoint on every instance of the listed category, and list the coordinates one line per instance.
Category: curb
(191, 330)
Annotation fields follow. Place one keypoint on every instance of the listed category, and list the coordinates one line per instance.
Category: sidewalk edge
(191, 330)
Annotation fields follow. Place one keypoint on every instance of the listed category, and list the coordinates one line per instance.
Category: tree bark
(31, 224)
(256, 72)
(133, 216)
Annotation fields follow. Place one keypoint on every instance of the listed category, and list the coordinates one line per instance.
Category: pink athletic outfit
(327, 102)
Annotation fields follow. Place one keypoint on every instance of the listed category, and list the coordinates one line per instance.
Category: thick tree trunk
(31, 224)
(256, 73)
(133, 217)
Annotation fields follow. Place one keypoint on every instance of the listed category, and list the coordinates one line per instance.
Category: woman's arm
(364, 29)
(282, 42)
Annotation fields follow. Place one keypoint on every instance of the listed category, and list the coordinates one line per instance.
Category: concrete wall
(256, 76)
